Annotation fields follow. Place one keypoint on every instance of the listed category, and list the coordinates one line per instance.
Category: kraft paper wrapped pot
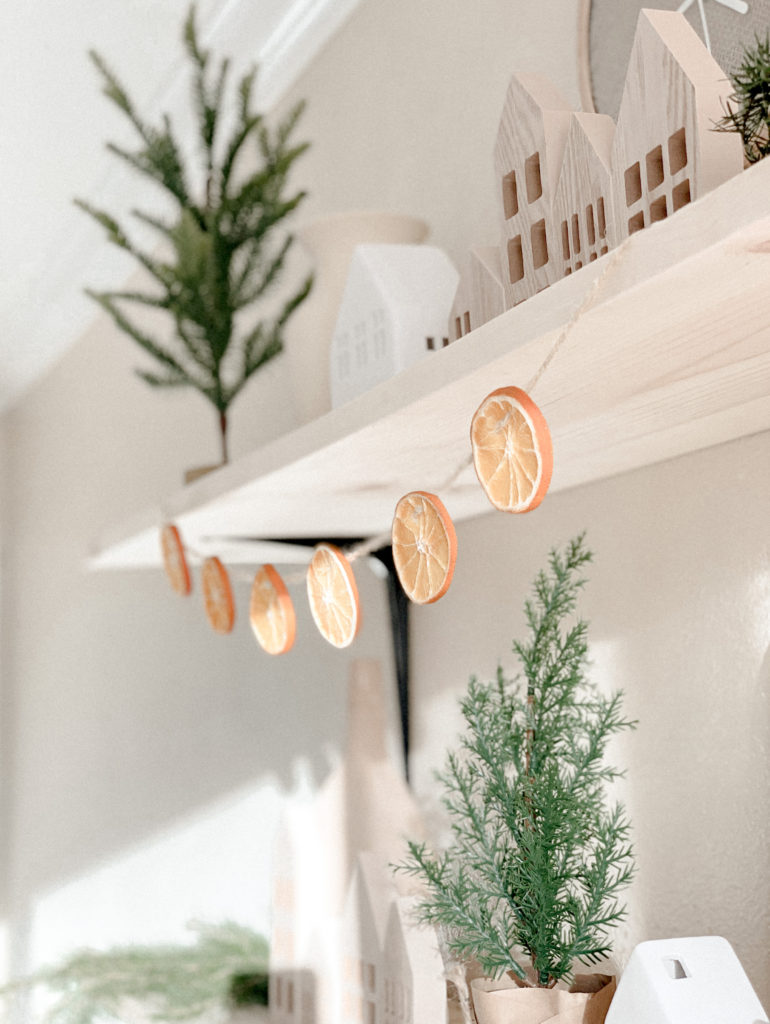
(506, 1002)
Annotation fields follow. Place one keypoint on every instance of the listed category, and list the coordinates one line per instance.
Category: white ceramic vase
(330, 241)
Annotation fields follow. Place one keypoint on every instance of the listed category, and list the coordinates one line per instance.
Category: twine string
(373, 544)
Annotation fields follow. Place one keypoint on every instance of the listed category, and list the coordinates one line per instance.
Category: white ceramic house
(334, 892)
(665, 152)
(685, 981)
(393, 312)
(393, 971)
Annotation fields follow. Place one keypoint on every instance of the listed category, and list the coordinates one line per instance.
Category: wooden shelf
(667, 351)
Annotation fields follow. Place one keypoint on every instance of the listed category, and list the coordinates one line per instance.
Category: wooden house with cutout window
(573, 185)
(480, 294)
(666, 152)
(583, 200)
(528, 155)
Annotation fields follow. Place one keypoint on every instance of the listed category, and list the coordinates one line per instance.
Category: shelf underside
(660, 348)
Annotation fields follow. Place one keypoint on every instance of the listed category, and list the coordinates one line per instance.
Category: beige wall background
(125, 722)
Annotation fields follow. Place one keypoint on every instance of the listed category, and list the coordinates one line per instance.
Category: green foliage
(748, 110)
(223, 250)
(537, 857)
(227, 965)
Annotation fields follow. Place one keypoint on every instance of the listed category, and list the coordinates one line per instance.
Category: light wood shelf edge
(672, 356)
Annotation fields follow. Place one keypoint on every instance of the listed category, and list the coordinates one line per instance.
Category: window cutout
(602, 217)
(371, 977)
(604, 249)
(429, 344)
(371, 1014)
(466, 323)
(654, 163)
(532, 174)
(633, 184)
(576, 233)
(675, 968)
(290, 996)
(677, 151)
(636, 223)
(658, 210)
(568, 271)
(592, 257)
(565, 240)
(681, 194)
(591, 224)
(278, 991)
(515, 260)
(458, 327)
(579, 265)
(510, 196)
(539, 244)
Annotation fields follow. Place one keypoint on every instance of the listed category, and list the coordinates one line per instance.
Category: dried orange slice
(424, 546)
(174, 559)
(333, 595)
(512, 450)
(218, 596)
(271, 612)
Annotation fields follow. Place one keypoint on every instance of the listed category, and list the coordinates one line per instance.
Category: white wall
(133, 724)
(133, 727)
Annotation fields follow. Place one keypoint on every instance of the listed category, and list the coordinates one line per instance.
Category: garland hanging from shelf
(512, 453)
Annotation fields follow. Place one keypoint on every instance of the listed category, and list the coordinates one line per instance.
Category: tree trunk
(223, 433)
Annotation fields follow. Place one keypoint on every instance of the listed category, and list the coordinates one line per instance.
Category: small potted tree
(529, 885)
(222, 249)
(748, 109)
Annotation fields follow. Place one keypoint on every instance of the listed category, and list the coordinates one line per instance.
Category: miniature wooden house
(573, 185)
(666, 152)
(528, 155)
(583, 200)
(393, 312)
(481, 295)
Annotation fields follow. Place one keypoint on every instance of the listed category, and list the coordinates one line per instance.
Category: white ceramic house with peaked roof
(393, 312)
(413, 969)
(665, 152)
(527, 160)
(333, 889)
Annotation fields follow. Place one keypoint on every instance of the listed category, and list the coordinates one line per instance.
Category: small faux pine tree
(538, 856)
(224, 246)
(748, 109)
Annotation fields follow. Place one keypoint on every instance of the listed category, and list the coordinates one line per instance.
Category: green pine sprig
(748, 109)
(227, 964)
(538, 856)
(223, 251)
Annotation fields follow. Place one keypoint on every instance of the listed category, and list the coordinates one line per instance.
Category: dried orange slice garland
(174, 559)
(217, 596)
(424, 546)
(333, 595)
(271, 612)
(512, 450)
(513, 457)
